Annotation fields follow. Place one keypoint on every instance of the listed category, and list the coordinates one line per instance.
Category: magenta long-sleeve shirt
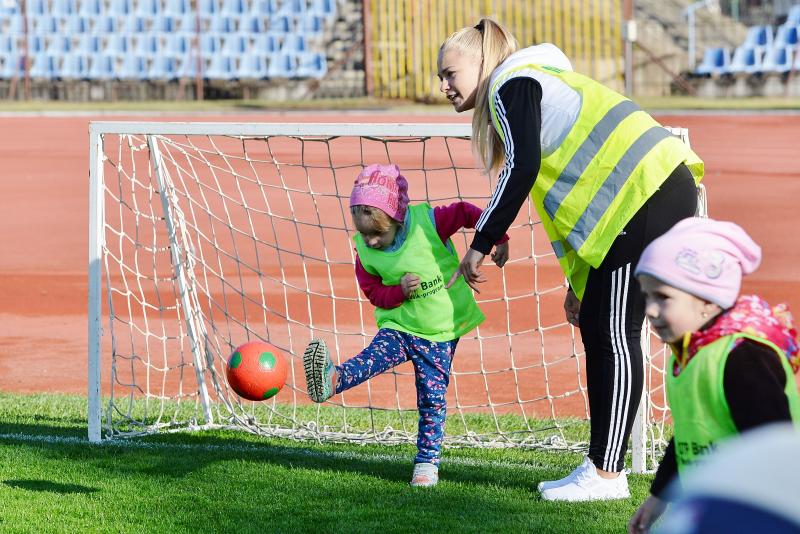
(448, 220)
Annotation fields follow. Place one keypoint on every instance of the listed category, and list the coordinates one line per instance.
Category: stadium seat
(88, 44)
(43, 67)
(716, 61)
(282, 65)
(36, 8)
(235, 44)
(176, 8)
(311, 65)
(73, 67)
(62, 8)
(102, 67)
(311, 24)
(221, 67)
(43, 25)
(16, 25)
(120, 7)
(793, 17)
(187, 66)
(58, 44)
(209, 44)
(177, 44)
(758, 37)
(281, 24)
(163, 68)
(147, 8)
(164, 24)
(252, 24)
(233, 8)
(325, 8)
(90, 8)
(222, 24)
(294, 42)
(292, 7)
(778, 59)
(11, 66)
(133, 67)
(263, 8)
(133, 24)
(252, 67)
(147, 44)
(208, 8)
(76, 24)
(106, 24)
(266, 43)
(36, 44)
(8, 45)
(189, 23)
(117, 44)
(786, 35)
(746, 60)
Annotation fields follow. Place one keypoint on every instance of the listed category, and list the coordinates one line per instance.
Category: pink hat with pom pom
(704, 257)
(383, 187)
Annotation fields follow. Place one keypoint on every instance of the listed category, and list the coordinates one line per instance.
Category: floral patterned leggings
(431, 360)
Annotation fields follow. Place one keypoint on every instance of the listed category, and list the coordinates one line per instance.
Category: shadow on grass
(46, 485)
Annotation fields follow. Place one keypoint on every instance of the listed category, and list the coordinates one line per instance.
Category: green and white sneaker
(320, 372)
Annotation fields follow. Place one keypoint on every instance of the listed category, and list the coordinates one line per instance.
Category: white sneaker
(425, 475)
(548, 484)
(587, 485)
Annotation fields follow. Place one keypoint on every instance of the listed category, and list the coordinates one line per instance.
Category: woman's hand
(572, 308)
(646, 515)
(470, 269)
(409, 283)
(500, 254)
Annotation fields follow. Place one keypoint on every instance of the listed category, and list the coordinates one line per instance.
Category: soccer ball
(256, 371)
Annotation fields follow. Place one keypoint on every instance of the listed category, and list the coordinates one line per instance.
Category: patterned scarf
(752, 315)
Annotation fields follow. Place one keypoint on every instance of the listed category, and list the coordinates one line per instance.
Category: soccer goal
(206, 235)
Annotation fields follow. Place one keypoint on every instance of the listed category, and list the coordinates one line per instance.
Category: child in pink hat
(733, 356)
(405, 258)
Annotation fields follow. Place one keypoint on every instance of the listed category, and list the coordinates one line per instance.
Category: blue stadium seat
(294, 42)
(311, 24)
(163, 68)
(117, 44)
(36, 8)
(102, 67)
(281, 24)
(177, 44)
(221, 67)
(222, 24)
(187, 66)
(252, 67)
(88, 44)
(778, 59)
(263, 8)
(189, 23)
(8, 45)
(209, 44)
(43, 67)
(58, 44)
(16, 25)
(758, 37)
(133, 67)
(76, 24)
(106, 24)
(282, 65)
(177, 8)
(90, 8)
(120, 7)
(786, 35)
(266, 43)
(164, 24)
(311, 65)
(208, 8)
(292, 7)
(746, 60)
(134, 24)
(793, 17)
(36, 44)
(73, 67)
(233, 8)
(62, 8)
(44, 24)
(11, 66)
(235, 44)
(716, 61)
(147, 8)
(325, 8)
(147, 44)
(252, 24)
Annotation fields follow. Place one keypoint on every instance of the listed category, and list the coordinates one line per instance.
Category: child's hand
(409, 283)
(646, 515)
(500, 254)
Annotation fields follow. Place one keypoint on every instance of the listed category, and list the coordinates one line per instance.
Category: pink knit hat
(383, 187)
(704, 257)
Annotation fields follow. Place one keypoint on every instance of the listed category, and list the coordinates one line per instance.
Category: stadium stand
(155, 40)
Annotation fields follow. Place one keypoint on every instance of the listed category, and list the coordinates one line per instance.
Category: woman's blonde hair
(491, 43)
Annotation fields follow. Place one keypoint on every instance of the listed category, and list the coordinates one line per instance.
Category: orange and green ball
(256, 371)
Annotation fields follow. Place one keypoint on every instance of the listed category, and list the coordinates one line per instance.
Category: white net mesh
(210, 240)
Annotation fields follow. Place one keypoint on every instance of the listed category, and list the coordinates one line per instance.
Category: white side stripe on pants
(622, 367)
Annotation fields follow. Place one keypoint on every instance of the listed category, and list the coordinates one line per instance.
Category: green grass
(652, 104)
(53, 480)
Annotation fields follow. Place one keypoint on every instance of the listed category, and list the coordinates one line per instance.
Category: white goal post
(206, 235)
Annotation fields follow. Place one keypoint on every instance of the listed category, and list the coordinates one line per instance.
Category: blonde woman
(606, 179)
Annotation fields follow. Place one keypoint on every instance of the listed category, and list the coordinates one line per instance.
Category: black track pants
(611, 317)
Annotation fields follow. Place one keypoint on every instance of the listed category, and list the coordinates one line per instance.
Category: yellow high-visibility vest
(613, 159)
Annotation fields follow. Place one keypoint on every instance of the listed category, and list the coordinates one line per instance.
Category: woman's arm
(519, 113)
(452, 218)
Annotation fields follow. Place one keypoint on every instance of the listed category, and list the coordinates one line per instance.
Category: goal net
(206, 235)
